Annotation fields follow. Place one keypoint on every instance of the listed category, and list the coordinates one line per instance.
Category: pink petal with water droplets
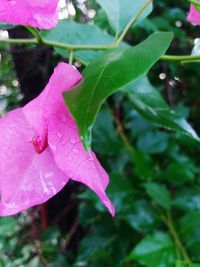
(26, 178)
(74, 160)
(194, 15)
(37, 13)
(39, 111)
(42, 139)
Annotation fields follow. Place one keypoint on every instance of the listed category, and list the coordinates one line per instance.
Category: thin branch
(131, 22)
(71, 57)
(178, 59)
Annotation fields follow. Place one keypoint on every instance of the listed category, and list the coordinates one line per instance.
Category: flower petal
(194, 15)
(26, 178)
(37, 13)
(73, 159)
(51, 119)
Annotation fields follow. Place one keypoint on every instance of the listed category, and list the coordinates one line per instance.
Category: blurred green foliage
(156, 189)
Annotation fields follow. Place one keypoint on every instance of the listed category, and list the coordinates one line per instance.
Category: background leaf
(120, 12)
(159, 194)
(154, 250)
(149, 103)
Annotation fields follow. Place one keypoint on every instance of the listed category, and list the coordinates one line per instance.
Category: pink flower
(37, 13)
(194, 15)
(40, 150)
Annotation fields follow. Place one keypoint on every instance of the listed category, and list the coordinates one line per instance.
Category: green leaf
(178, 172)
(188, 198)
(159, 194)
(143, 165)
(182, 264)
(110, 73)
(155, 250)
(152, 142)
(120, 12)
(105, 138)
(151, 105)
(74, 33)
(190, 232)
(141, 216)
(120, 191)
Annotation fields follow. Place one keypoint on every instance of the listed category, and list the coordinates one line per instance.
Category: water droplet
(59, 134)
(75, 151)
(24, 199)
(63, 119)
(90, 156)
(72, 141)
(13, 2)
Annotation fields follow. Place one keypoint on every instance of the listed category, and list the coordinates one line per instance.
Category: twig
(70, 234)
(33, 239)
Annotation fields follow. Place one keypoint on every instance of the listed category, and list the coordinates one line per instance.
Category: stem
(56, 44)
(187, 58)
(170, 224)
(77, 47)
(71, 57)
(131, 22)
(35, 33)
(122, 134)
(19, 41)
(168, 221)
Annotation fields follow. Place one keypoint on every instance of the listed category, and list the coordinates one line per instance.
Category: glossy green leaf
(155, 250)
(190, 232)
(143, 165)
(188, 198)
(178, 172)
(120, 12)
(183, 264)
(74, 33)
(152, 142)
(141, 216)
(120, 191)
(110, 73)
(105, 138)
(159, 194)
(150, 104)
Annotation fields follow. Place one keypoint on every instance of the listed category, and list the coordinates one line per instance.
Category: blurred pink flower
(37, 13)
(194, 15)
(41, 150)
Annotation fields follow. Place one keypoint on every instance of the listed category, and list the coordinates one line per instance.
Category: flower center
(39, 144)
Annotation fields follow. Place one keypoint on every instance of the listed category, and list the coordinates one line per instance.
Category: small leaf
(151, 105)
(190, 232)
(105, 138)
(188, 198)
(159, 194)
(107, 75)
(141, 216)
(152, 142)
(155, 250)
(120, 12)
